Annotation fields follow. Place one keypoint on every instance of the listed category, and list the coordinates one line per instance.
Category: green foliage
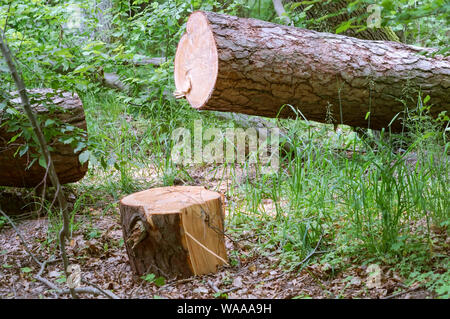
(26, 270)
(378, 204)
(439, 283)
(415, 22)
(157, 281)
(3, 222)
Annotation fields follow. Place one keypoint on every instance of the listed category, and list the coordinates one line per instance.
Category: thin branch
(91, 290)
(401, 293)
(64, 233)
(6, 20)
(104, 292)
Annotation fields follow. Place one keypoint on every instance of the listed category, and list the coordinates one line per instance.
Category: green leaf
(6, 266)
(82, 69)
(64, 53)
(84, 156)
(79, 147)
(160, 281)
(343, 27)
(26, 269)
(149, 277)
(15, 137)
(23, 150)
(49, 122)
(68, 141)
(61, 280)
(42, 161)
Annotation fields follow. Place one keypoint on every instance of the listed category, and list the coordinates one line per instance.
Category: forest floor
(97, 246)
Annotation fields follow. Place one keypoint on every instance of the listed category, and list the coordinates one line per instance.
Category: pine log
(13, 169)
(174, 231)
(225, 63)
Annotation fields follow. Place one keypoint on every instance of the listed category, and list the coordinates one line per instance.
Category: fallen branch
(401, 293)
(64, 233)
(91, 290)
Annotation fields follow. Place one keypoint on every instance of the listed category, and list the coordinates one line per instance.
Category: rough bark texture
(13, 170)
(262, 66)
(158, 226)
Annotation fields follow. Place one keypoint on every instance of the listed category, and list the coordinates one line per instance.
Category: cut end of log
(174, 231)
(196, 62)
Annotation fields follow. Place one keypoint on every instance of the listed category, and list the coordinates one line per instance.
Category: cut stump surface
(174, 231)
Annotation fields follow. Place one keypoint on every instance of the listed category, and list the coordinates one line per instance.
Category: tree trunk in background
(321, 9)
(13, 170)
(174, 231)
(279, 9)
(225, 63)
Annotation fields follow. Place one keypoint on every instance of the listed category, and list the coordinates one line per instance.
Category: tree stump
(67, 109)
(226, 63)
(174, 231)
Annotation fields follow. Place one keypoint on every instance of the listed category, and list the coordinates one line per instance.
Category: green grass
(362, 198)
(366, 199)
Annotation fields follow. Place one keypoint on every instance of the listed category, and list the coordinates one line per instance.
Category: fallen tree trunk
(13, 168)
(225, 63)
(174, 231)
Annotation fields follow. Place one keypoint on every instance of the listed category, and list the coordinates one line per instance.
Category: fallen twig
(90, 290)
(213, 287)
(401, 293)
(104, 292)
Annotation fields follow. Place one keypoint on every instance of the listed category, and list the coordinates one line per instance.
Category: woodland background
(350, 213)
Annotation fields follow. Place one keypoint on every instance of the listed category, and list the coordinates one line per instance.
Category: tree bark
(174, 231)
(225, 63)
(13, 170)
